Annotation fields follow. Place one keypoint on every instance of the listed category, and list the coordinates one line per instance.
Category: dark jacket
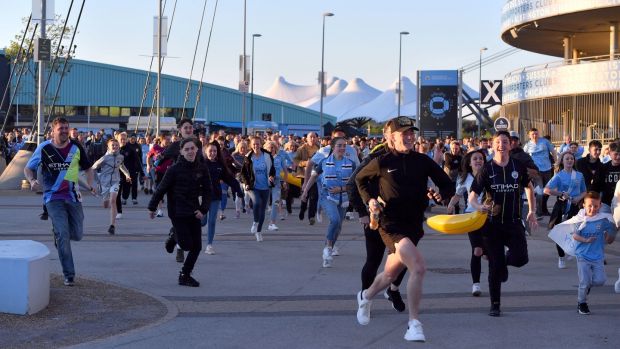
(132, 158)
(589, 169)
(218, 173)
(524, 158)
(355, 199)
(184, 182)
(402, 184)
(247, 172)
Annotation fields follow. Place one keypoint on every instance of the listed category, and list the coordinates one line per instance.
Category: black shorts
(395, 235)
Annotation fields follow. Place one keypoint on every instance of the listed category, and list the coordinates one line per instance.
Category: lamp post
(254, 36)
(480, 89)
(400, 56)
(322, 77)
(243, 67)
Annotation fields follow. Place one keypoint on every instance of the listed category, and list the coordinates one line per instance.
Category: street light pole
(243, 69)
(322, 77)
(400, 56)
(480, 90)
(254, 36)
(41, 92)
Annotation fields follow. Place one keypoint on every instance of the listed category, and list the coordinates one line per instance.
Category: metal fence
(584, 117)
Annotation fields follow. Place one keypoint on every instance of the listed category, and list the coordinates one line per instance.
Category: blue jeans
(224, 200)
(590, 274)
(276, 200)
(67, 220)
(209, 220)
(259, 198)
(335, 213)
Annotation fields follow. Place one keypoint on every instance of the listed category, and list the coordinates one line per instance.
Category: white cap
(514, 134)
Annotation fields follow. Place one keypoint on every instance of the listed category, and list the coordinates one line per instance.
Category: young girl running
(109, 178)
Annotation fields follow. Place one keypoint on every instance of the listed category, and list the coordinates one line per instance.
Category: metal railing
(571, 61)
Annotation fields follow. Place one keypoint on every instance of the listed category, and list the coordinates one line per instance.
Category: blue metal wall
(96, 84)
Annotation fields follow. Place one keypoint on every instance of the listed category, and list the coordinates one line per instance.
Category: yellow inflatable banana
(290, 179)
(458, 223)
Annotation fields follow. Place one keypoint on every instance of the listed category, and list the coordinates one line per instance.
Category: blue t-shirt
(261, 175)
(562, 182)
(279, 162)
(595, 250)
(540, 153)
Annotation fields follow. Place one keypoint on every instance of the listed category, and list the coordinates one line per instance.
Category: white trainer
(119, 215)
(335, 251)
(272, 227)
(319, 217)
(561, 263)
(327, 257)
(159, 213)
(209, 250)
(254, 228)
(475, 290)
(617, 285)
(259, 236)
(363, 309)
(414, 332)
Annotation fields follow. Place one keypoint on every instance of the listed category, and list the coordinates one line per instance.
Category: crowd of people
(389, 181)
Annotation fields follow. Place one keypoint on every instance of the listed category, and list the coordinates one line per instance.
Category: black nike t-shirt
(504, 185)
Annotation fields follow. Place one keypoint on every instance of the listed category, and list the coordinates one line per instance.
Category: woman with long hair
(258, 176)
(569, 186)
(471, 165)
(279, 162)
(219, 173)
(334, 172)
(241, 150)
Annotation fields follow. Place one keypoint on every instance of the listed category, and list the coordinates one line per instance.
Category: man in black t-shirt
(607, 177)
(503, 180)
(591, 164)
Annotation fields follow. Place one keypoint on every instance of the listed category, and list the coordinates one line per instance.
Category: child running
(109, 178)
(593, 231)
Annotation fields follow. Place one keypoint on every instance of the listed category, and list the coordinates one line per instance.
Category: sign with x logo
(491, 92)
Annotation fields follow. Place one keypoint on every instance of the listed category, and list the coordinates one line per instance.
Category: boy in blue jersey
(591, 236)
(61, 160)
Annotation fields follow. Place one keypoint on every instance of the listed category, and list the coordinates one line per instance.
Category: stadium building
(578, 95)
(95, 95)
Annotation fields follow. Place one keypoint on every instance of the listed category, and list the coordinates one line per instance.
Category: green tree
(53, 30)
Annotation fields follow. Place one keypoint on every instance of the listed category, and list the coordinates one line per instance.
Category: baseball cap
(401, 123)
(514, 134)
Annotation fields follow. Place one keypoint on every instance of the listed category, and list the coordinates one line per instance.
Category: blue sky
(361, 39)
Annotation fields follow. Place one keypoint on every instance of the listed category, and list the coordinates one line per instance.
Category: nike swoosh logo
(493, 176)
(392, 170)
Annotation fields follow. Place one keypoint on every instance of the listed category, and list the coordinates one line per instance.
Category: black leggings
(375, 248)
(312, 201)
(475, 265)
(133, 186)
(495, 237)
(189, 237)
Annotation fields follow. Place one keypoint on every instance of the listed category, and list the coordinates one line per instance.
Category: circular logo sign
(501, 124)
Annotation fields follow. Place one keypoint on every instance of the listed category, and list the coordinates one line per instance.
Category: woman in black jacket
(219, 173)
(189, 190)
(258, 175)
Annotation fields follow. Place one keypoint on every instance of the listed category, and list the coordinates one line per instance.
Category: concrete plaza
(275, 294)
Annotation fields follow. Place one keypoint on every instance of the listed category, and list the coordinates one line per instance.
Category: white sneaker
(259, 237)
(272, 227)
(119, 215)
(254, 228)
(561, 263)
(159, 213)
(319, 217)
(327, 257)
(414, 332)
(363, 309)
(475, 290)
(617, 285)
(209, 250)
(335, 251)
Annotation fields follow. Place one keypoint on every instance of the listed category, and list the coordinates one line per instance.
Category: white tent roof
(351, 100)
(385, 106)
(332, 91)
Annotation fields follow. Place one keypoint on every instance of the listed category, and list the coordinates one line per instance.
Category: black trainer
(69, 281)
(583, 309)
(44, 216)
(395, 298)
(170, 241)
(495, 312)
(187, 280)
(111, 230)
(180, 255)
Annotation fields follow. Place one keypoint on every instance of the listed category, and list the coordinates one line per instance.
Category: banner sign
(438, 105)
(491, 92)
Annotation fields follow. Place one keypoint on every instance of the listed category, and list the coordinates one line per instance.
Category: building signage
(491, 92)
(603, 76)
(517, 12)
(438, 107)
(501, 124)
